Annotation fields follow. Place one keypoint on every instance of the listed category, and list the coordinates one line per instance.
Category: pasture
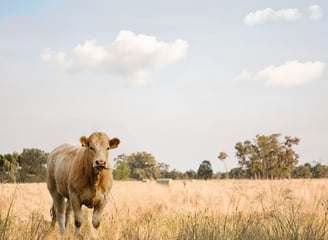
(214, 209)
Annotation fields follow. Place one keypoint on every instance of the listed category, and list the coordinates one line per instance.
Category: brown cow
(83, 176)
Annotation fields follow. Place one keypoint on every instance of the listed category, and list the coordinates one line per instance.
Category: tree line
(27, 166)
(264, 157)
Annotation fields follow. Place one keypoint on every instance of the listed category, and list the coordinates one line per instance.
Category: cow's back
(59, 164)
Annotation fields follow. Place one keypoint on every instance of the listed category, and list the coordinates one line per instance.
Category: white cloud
(130, 55)
(291, 73)
(46, 55)
(268, 14)
(60, 59)
(315, 12)
(245, 75)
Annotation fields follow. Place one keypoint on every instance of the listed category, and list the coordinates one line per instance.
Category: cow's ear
(84, 141)
(114, 142)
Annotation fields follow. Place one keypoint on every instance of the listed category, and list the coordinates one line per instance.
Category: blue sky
(182, 80)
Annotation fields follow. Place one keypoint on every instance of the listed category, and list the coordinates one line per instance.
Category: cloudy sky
(182, 80)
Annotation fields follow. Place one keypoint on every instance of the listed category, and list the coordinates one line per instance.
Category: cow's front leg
(98, 212)
(78, 216)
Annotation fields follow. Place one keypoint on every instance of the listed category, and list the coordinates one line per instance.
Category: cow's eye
(107, 148)
(91, 148)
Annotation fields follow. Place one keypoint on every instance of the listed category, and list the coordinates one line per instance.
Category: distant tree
(205, 170)
(121, 169)
(9, 167)
(161, 170)
(288, 156)
(3, 169)
(142, 165)
(320, 171)
(222, 156)
(237, 173)
(303, 171)
(220, 175)
(191, 174)
(267, 157)
(175, 174)
(33, 164)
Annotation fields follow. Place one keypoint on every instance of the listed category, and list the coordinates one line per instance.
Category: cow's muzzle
(100, 165)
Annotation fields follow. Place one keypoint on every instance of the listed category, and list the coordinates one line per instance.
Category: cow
(82, 176)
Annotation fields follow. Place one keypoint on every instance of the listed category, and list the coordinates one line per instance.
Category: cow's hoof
(96, 225)
(77, 224)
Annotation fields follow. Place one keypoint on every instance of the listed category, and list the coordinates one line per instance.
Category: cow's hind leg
(68, 212)
(53, 216)
(59, 206)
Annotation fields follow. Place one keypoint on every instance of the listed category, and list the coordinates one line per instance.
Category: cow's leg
(59, 206)
(78, 216)
(98, 212)
(53, 216)
(68, 212)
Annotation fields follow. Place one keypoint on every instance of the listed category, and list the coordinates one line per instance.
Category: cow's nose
(101, 163)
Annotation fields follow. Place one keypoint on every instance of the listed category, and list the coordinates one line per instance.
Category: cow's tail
(53, 216)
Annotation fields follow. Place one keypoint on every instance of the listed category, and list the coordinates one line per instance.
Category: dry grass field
(215, 209)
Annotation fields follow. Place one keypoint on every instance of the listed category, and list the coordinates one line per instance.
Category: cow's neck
(100, 181)
(98, 176)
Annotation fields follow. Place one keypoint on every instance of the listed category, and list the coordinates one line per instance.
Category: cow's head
(98, 144)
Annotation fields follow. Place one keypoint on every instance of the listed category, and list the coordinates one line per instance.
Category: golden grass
(215, 209)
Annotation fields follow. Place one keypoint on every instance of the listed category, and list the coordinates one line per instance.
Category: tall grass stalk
(12, 228)
(6, 223)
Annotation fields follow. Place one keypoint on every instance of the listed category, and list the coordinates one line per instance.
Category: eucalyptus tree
(268, 157)
(222, 156)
